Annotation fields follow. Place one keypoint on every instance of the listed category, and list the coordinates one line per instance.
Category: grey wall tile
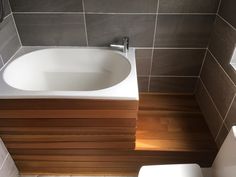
(104, 29)
(221, 137)
(228, 10)
(222, 45)
(188, 6)
(178, 62)
(51, 29)
(143, 61)
(183, 30)
(218, 84)
(211, 115)
(7, 8)
(46, 5)
(143, 84)
(3, 152)
(173, 84)
(1, 62)
(121, 6)
(231, 117)
(9, 39)
(9, 168)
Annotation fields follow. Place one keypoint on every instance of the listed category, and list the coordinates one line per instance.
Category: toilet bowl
(179, 170)
(224, 164)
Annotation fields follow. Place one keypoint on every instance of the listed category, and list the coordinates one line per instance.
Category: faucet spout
(124, 47)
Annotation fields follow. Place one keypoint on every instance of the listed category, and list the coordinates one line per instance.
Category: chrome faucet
(124, 47)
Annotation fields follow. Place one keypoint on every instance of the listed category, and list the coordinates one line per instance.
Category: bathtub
(63, 72)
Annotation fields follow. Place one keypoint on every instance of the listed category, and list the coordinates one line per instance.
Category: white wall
(7, 165)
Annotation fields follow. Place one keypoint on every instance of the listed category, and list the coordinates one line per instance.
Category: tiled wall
(217, 85)
(7, 165)
(171, 35)
(9, 40)
(9, 44)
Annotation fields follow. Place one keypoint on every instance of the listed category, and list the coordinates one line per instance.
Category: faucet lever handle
(126, 43)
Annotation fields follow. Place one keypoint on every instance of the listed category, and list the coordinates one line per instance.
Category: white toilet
(224, 164)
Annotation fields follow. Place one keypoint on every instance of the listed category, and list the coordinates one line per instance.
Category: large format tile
(231, 117)
(46, 6)
(222, 45)
(7, 8)
(9, 168)
(172, 84)
(221, 137)
(183, 30)
(143, 61)
(228, 10)
(3, 152)
(208, 109)
(51, 29)
(218, 84)
(178, 62)
(143, 83)
(188, 6)
(9, 39)
(121, 6)
(104, 29)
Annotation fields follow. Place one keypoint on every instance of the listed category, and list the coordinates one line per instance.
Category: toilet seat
(178, 170)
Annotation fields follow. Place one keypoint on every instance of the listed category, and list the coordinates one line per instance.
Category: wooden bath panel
(68, 123)
(98, 137)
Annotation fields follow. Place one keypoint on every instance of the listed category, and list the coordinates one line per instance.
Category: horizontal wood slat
(67, 130)
(68, 122)
(67, 114)
(67, 138)
(168, 102)
(67, 104)
(72, 145)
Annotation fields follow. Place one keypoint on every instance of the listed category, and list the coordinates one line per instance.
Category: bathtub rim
(9, 92)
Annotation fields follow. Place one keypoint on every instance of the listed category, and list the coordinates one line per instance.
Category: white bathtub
(89, 73)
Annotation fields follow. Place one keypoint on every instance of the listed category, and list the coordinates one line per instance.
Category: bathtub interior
(67, 70)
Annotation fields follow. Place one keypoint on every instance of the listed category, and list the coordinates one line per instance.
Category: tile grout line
(18, 35)
(215, 108)
(218, 133)
(231, 103)
(232, 82)
(226, 22)
(218, 8)
(200, 71)
(226, 115)
(4, 161)
(52, 13)
(85, 23)
(186, 13)
(211, 100)
(203, 62)
(153, 45)
(168, 76)
(7, 16)
(10, 58)
(2, 60)
(174, 76)
(177, 48)
(114, 13)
